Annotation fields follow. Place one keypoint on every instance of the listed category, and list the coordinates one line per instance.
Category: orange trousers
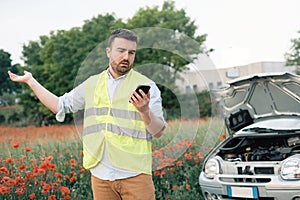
(140, 187)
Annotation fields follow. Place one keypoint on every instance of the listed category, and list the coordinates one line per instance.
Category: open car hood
(260, 96)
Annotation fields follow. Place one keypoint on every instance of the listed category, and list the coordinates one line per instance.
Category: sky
(240, 31)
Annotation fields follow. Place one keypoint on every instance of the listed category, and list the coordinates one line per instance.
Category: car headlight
(291, 169)
(212, 168)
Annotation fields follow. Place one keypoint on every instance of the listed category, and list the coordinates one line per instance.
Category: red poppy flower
(19, 191)
(32, 196)
(222, 136)
(16, 145)
(156, 173)
(58, 175)
(9, 160)
(64, 190)
(27, 149)
(22, 167)
(4, 170)
(187, 186)
(4, 189)
(67, 197)
(52, 197)
(73, 179)
(174, 187)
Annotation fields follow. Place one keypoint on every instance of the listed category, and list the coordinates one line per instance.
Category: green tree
(31, 55)
(7, 86)
(65, 58)
(172, 47)
(293, 55)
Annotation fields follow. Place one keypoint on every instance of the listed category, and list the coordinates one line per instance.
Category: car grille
(256, 170)
(246, 180)
(250, 175)
(263, 170)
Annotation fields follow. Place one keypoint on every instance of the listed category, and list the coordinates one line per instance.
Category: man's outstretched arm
(47, 98)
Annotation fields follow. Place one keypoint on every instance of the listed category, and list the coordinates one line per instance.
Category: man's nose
(125, 55)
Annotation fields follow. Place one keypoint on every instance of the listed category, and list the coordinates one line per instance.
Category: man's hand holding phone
(140, 97)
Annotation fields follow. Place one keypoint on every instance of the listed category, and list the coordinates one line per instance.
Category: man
(118, 122)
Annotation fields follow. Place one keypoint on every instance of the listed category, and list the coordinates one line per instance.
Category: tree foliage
(65, 58)
(174, 48)
(165, 50)
(8, 89)
(293, 55)
(7, 86)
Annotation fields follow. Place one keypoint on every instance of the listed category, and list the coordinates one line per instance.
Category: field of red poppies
(46, 162)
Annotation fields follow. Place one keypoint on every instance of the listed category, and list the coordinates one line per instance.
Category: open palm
(17, 78)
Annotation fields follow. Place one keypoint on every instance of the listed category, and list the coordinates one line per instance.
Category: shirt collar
(112, 78)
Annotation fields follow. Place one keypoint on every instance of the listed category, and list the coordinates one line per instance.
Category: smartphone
(145, 89)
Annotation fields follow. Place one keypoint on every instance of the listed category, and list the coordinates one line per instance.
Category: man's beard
(122, 68)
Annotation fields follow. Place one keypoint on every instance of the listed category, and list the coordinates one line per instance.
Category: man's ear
(108, 52)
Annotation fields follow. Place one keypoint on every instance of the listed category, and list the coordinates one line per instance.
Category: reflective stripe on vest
(117, 130)
(92, 114)
(117, 124)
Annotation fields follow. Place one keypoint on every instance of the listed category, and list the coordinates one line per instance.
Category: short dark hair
(122, 33)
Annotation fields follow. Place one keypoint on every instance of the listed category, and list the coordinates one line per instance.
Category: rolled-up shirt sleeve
(155, 103)
(71, 102)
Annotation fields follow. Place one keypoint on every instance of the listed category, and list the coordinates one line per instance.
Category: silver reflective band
(126, 114)
(95, 111)
(119, 113)
(117, 130)
(93, 129)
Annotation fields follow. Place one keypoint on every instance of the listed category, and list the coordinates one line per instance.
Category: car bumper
(276, 188)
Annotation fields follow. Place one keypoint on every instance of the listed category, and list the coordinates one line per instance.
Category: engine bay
(259, 147)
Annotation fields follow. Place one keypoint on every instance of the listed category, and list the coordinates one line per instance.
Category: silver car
(260, 159)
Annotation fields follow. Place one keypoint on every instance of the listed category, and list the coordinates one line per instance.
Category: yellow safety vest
(116, 124)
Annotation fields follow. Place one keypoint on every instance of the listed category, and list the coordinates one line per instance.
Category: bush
(188, 106)
(12, 116)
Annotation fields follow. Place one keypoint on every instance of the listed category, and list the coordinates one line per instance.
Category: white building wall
(205, 76)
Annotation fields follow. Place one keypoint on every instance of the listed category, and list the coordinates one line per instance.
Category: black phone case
(145, 89)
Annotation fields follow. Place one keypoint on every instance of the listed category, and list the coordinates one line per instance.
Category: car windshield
(270, 130)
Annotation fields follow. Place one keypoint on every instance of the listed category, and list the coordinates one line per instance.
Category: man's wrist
(146, 112)
(30, 82)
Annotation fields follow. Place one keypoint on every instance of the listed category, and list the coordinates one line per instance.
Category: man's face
(121, 56)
